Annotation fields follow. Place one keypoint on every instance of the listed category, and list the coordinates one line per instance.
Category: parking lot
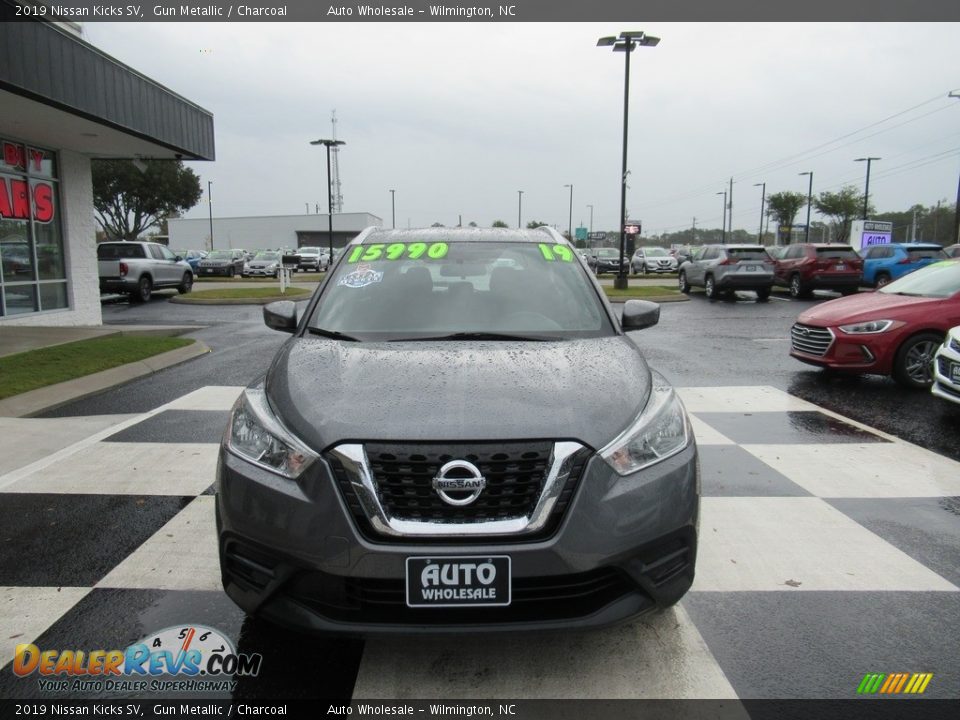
(829, 534)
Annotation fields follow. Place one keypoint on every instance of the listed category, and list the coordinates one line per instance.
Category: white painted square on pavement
(182, 555)
(707, 435)
(25, 612)
(127, 468)
(784, 544)
(660, 655)
(750, 398)
(211, 397)
(26, 440)
(863, 470)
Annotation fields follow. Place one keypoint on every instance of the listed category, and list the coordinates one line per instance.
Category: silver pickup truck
(138, 268)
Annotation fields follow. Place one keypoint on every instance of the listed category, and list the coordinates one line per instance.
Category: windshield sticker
(398, 251)
(556, 252)
(361, 277)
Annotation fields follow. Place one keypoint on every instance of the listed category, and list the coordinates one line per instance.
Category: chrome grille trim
(811, 340)
(354, 459)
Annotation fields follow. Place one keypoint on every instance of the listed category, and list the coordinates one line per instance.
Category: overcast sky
(458, 117)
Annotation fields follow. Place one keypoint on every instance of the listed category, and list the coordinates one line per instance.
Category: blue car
(884, 263)
(193, 257)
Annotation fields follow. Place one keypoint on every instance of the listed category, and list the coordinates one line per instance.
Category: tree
(533, 224)
(129, 200)
(471, 224)
(785, 205)
(841, 207)
(499, 224)
(438, 224)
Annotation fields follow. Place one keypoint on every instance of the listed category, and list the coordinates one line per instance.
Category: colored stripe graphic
(894, 683)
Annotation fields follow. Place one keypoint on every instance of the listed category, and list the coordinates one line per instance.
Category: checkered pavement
(827, 550)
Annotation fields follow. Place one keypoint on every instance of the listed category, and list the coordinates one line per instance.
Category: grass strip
(641, 291)
(245, 293)
(33, 369)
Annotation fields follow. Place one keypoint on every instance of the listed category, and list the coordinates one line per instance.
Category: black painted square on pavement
(177, 426)
(782, 428)
(927, 529)
(295, 665)
(730, 471)
(812, 644)
(75, 540)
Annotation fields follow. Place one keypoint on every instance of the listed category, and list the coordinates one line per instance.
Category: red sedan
(893, 331)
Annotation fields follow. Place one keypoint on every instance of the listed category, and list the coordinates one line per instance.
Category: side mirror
(639, 314)
(282, 315)
(178, 258)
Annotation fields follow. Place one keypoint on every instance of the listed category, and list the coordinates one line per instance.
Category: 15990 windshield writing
(396, 251)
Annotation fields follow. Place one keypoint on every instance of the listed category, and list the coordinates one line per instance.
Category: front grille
(810, 340)
(383, 601)
(944, 367)
(955, 344)
(515, 474)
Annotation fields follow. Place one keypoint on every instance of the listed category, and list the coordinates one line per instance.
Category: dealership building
(64, 103)
(266, 232)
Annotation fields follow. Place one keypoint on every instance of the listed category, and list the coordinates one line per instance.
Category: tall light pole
(763, 200)
(329, 144)
(210, 206)
(519, 208)
(591, 217)
(806, 233)
(866, 190)
(625, 43)
(956, 212)
(393, 209)
(723, 233)
(570, 219)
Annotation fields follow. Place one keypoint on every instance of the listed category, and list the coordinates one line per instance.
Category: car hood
(868, 306)
(329, 391)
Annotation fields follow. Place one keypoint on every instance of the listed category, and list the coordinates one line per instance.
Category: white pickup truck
(137, 268)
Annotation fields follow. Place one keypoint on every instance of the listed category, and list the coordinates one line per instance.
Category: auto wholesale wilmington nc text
(467, 12)
(434, 708)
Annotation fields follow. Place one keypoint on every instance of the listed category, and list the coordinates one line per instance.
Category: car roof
(916, 246)
(741, 246)
(460, 234)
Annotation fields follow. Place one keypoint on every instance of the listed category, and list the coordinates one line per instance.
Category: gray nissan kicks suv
(422, 456)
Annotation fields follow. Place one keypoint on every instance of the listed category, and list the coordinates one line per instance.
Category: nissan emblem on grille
(461, 478)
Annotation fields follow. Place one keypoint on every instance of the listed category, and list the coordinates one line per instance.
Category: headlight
(661, 430)
(871, 327)
(256, 435)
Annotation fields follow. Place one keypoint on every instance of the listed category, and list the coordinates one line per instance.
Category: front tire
(797, 290)
(682, 282)
(882, 279)
(186, 285)
(913, 363)
(763, 294)
(231, 272)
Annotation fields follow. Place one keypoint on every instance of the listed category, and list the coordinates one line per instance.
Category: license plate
(750, 268)
(955, 372)
(467, 581)
(841, 266)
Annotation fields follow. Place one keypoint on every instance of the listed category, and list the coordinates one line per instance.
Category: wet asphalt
(696, 343)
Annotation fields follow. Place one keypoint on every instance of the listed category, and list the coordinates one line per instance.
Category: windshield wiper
(478, 336)
(332, 334)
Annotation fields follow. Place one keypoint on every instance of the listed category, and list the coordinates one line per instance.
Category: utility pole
(519, 208)
(693, 232)
(763, 199)
(210, 203)
(913, 227)
(591, 217)
(723, 231)
(936, 224)
(956, 212)
(731, 208)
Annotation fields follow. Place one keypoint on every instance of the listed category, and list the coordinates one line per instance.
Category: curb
(46, 398)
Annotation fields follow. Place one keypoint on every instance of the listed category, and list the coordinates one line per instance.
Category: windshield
(607, 252)
(655, 252)
(938, 280)
(220, 255)
(262, 255)
(309, 251)
(414, 290)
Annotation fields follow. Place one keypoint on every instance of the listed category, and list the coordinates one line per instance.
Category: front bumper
(856, 353)
(946, 372)
(265, 272)
(293, 553)
(219, 270)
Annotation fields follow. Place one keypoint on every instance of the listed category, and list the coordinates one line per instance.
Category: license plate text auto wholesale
(750, 268)
(467, 581)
